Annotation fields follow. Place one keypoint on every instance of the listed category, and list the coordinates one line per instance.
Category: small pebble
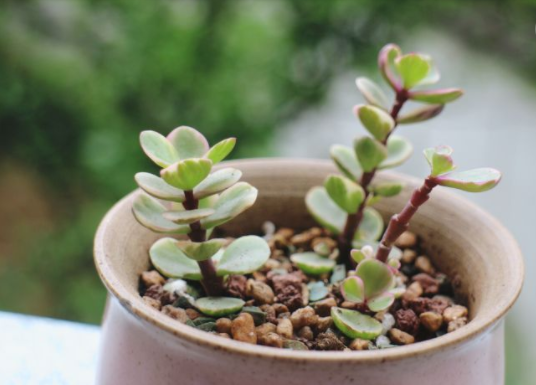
(261, 292)
(406, 240)
(285, 232)
(303, 317)
(223, 325)
(273, 339)
(359, 344)
(176, 313)
(323, 307)
(263, 330)
(454, 312)
(302, 239)
(431, 321)
(152, 302)
(408, 256)
(401, 338)
(424, 264)
(193, 314)
(224, 335)
(383, 342)
(413, 291)
(306, 333)
(280, 308)
(329, 341)
(153, 277)
(272, 264)
(323, 324)
(388, 322)
(285, 328)
(456, 324)
(349, 305)
(429, 284)
(243, 328)
(407, 321)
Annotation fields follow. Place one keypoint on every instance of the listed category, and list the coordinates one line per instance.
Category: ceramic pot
(141, 346)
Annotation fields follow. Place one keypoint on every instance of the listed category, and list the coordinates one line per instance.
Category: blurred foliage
(80, 79)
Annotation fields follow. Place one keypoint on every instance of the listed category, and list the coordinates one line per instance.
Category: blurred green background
(80, 79)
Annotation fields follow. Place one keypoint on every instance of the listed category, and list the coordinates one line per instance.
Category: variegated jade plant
(343, 204)
(188, 198)
(372, 287)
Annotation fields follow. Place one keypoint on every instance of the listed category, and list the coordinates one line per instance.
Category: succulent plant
(190, 198)
(343, 204)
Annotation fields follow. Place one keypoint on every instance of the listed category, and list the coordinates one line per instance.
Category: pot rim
(136, 306)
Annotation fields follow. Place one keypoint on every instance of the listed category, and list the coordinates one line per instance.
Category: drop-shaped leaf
(378, 122)
(317, 291)
(412, 68)
(231, 203)
(387, 189)
(371, 226)
(171, 262)
(354, 324)
(441, 96)
(220, 150)
(346, 160)
(158, 188)
(477, 180)
(381, 302)
(376, 276)
(245, 255)
(201, 251)
(353, 289)
(346, 194)
(148, 212)
(370, 153)
(372, 92)
(158, 148)
(420, 114)
(312, 263)
(386, 62)
(440, 160)
(399, 150)
(187, 174)
(188, 142)
(324, 210)
(217, 182)
(219, 306)
(186, 217)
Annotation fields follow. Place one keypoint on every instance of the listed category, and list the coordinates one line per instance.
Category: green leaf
(186, 174)
(376, 276)
(317, 291)
(188, 142)
(347, 194)
(399, 150)
(158, 148)
(169, 260)
(371, 226)
(378, 122)
(186, 217)
(395, 253)
(217, 182)
(421, 114)
(477, 180)
(324, 210)
(245, 255)
(440, 160)
(353, 324)
(353, 289)
(201, 251)
(312, 263)
(346, 160)
(231, 203)
(387, 189)
(339, 273)
(441, 96)
(412, 68)
(381, 302)
(386, 62)
(372, 92)
(220, 150)
(219, 306)
(158, 188)
(370, 153)
(148, 212)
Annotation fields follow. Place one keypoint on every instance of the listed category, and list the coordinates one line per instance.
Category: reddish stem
(212, 284)
(400, 222)
(354, 220)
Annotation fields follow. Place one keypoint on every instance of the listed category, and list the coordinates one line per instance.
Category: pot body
(142, 346)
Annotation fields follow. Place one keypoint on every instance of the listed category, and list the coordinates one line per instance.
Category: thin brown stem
(212, 284)
(354, 220)
(400, 222)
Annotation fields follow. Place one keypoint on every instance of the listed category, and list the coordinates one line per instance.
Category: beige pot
(142, 346)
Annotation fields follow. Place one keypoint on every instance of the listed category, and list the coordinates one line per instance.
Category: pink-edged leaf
(420, 114)
(441, 96)
(188, 142)
(381, 302)
(412, 68)
(353, 289)
(440, 160)
(376, 275)
(386, 60)
(477, 180)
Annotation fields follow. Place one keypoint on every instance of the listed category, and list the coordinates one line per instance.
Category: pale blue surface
(43, 351)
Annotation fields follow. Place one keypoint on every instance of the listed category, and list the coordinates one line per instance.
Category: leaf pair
(442, 166)
(177, 259)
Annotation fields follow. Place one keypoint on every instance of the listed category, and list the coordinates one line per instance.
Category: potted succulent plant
(243, 287)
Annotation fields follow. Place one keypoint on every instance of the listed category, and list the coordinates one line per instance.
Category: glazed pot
(143, 346)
